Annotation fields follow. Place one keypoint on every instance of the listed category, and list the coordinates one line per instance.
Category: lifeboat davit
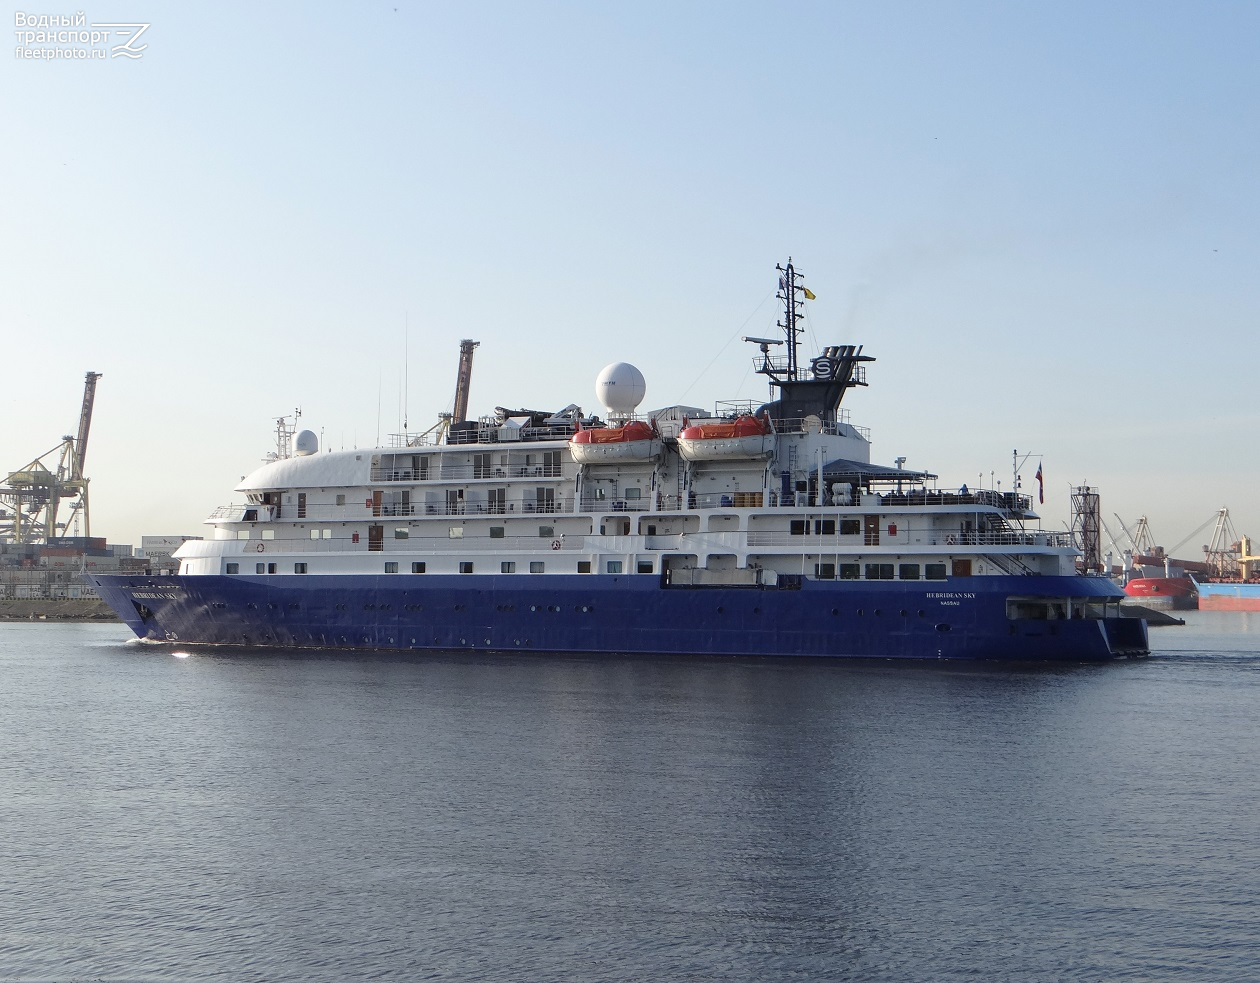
(744, 438)
(635, 441)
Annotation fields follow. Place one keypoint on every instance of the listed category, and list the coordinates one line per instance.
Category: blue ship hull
(625, 615)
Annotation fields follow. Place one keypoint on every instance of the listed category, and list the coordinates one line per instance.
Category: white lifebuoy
(950, 540)
(259, 548)
(555, 544)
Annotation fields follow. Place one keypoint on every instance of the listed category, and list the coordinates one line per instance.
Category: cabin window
(934, 571)
(260, 568)
(537, 566)
(402, 533)
(233, 568)
(633, 493)
(268, 534)
(496, 532)
(341, 499)
(850, 527)
(584, 566)
(242, 534)
(546, 532)
(850, 571)
(326, 533)
(271, 568)
(391, 566)
(457, 532)
(908, 571)
(507, 566)
(299, 568)
(825, 571)
(644, 566)
(798, 527)
(879, 571)
(825, 527)
(465, 566)
(613, 566)
(314, 534)
(417, 566)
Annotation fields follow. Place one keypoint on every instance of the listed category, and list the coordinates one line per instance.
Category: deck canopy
(862, 473)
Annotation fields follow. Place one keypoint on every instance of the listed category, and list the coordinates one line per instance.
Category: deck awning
(859, 472)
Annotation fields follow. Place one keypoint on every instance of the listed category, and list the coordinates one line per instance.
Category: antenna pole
(791, 311)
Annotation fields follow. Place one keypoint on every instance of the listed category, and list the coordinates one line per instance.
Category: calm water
(265, 817)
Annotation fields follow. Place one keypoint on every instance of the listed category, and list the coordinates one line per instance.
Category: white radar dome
(305, 444)
(620, 387)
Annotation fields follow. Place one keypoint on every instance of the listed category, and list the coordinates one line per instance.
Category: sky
(1040, 218)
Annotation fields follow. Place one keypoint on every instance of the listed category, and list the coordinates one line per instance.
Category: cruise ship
(739, 530)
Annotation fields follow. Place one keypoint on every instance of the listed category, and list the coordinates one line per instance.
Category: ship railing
(414, 545)
(591, 503)
(856, 542)
(509, 435)
(466, 507)
(368, 509)
(474, 472)
(1007, 501)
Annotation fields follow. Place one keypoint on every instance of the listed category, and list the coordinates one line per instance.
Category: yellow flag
(809, 294)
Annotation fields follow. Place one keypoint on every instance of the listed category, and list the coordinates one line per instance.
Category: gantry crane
(31, 496)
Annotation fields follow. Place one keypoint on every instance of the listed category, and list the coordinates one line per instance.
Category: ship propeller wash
(748, 530)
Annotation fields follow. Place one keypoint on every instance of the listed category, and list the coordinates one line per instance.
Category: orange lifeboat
(746, 437)
(635, 441)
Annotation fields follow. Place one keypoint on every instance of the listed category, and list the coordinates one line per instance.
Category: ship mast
(818, 390)
(788, 288)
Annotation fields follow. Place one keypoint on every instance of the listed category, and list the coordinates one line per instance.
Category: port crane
(31, 497)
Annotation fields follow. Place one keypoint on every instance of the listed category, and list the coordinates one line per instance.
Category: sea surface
(262, 816)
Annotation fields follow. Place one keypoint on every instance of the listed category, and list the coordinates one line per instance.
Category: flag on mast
(1041, 486)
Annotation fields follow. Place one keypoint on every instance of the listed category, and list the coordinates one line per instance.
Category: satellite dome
(305, 444)
(620, 387)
